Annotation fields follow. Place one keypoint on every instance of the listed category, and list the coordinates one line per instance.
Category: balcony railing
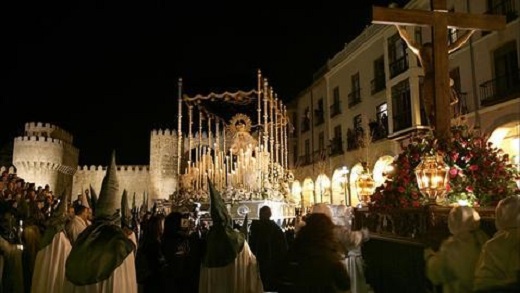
(319, 117)
(304, 160)
(461, 108)
(335, 109)
(377, 84)
(500, 89)
(315, 157)
(336, 146)
(306, 125)
(398, 66)
(354, 98)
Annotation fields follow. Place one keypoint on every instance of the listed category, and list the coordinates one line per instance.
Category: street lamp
(345, 172)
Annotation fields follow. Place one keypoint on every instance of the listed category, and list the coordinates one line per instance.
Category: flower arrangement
(479, 174)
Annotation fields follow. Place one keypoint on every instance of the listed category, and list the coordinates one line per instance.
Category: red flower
(453, 172)
(473, 167)
(401, 189)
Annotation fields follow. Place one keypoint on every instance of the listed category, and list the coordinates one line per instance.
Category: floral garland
(479, 173)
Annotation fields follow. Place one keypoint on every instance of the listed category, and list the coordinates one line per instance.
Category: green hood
(223, 242)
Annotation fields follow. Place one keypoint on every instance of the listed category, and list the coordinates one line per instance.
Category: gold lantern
(432, 177)
(365, 186)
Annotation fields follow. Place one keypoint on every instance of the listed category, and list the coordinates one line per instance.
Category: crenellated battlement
(164, 132)
(47, 130)
(32, 125)
(41, 141)
(38, 139)
(123, 168)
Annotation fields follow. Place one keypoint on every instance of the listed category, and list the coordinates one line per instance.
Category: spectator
(453, 266)
(269, 245)
(498, 267)
(314, 261)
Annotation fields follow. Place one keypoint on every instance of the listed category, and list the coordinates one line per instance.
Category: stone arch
(381, 168)
(506, 136)
(354, 175)
(308, 192)
(339, 186)
(296, 192)
(322, 189)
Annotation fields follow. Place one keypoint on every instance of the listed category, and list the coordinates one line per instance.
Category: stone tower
(45, 155)
(163, 163)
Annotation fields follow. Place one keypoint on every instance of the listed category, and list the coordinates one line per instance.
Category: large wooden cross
(439, 19)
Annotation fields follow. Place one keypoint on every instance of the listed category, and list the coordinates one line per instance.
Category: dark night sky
(106, 71)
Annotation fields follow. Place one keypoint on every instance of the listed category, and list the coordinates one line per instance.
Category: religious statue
(240, 127)
(424, 53)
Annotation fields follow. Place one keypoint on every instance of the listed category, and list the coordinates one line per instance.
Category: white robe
(49, 267)
(75, 227)
(123, 279)
(499, 261)
(453, 265)
(352, 242)
(241, 276)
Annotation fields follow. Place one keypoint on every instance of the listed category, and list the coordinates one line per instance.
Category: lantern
(432, 177)
(365, 186)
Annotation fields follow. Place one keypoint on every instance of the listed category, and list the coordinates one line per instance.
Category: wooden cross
(439, 19)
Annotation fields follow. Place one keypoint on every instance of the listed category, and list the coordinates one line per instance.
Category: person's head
(265, 213)
(175, 223)
(71, 211)
(153, 229)
(322, 208)
(317, 230)
(81, 211)
(507, 212)
(463, 219)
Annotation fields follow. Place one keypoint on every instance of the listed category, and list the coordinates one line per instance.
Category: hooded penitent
(126, 213)
(223, 242)
(109, 202)
(102, 246)
(93, 200)
(463, 219)
(507, 212)
(56, 222)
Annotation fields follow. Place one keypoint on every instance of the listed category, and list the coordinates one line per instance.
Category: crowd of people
(97, 243)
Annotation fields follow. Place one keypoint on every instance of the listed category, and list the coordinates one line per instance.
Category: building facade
(365, 101)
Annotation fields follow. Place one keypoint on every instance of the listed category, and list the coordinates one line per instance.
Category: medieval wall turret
(46, 155)
(163, 163)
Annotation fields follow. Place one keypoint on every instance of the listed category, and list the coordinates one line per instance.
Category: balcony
(336, 146)
(304, 160)
(335, 109)
(398, 66)
(306, 125)
(319, 117)
(461, 108)
(500, 89)
(378, 129)
(377, 84)
(354, 98)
